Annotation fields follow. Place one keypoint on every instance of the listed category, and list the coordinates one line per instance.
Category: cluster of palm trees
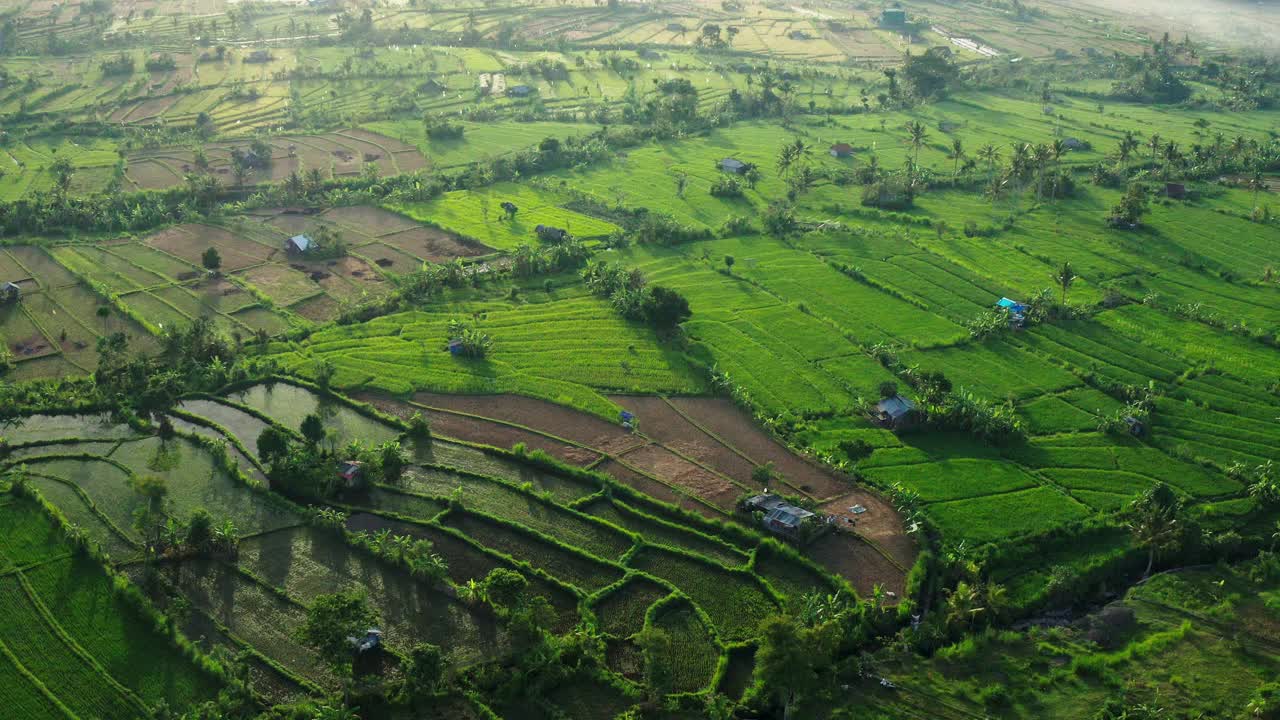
(418, 555)
(1038, 166)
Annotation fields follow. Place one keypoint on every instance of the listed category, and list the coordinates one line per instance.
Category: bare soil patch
(698, 481)
(369, 220)
(857, 562)
(734, 426)
(390, 259)
(880, 523)
(555, 419)
(320, 308)
(662, 423)
(429, 243)
(189, 242)
(33, 346)
(482, 431)
(653, 488)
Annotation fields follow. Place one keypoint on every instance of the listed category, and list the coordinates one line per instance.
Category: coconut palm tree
(991, 155)
(1154, 522)
(916, 136)
(1256, 183)
(956, 155)
(1065, 277)
(1154, 142)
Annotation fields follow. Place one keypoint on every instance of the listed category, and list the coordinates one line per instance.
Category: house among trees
(520, 91)
(371, 642)
(1074, 144)
(456, 347)
(840, 150)
(258, 56)
(10, 292)
(351, 474)
(799, 35)
(1136, 427)
(676, 27)
(780, 517)
(895, 413)
(735, 166)
(298, 244)
(893, 18)
(1016, 310)
(1175, 191)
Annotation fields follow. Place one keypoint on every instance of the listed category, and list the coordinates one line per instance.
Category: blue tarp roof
(1007, 304)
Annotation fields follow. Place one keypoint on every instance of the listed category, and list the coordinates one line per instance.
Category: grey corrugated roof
(896, 406)
(788, 515)
(302, 242)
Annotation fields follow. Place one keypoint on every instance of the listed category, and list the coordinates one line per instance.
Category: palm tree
(964, 605)
(957, 154)
(1040, 155)
(916, 136)
(1154, 143)
(991, 154)
(1256, 183)
(1154, 522)
(1065, 276)
(1127, 145)
(1171, 154)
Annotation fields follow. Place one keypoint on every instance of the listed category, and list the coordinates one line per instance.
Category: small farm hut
(509, 208)
(10, 292)
(893, 18)
(778, 516)
(799, 35)
(351, 473)
(735, 166)
(520, 91)
(627, 419)
(895, 412)
(1072, 143)
(1016, 310)
(840, 150)
(1176, 191)
(676, 27)
(455, 347)
(1136, 427)
(298, 244)
(547, 233)
(371, 642)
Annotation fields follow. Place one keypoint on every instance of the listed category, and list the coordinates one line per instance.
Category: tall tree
(917, 134)
(1155, 522)
(332, 619)
(956, 155)
(1065, 277)
(791, 659)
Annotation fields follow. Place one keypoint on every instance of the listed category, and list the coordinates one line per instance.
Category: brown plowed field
(369, 220)
(857, 562)
(727, 421)
(661, 462)
(662, 423)
(548, 417)
(435, 245)
(481, 431)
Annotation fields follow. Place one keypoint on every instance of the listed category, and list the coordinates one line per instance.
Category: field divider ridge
(36, 682)
(75, 647)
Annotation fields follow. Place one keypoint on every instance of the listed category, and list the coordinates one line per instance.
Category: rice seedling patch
(579, 570)
(690, 659)
(621, 611)
(734, 601)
